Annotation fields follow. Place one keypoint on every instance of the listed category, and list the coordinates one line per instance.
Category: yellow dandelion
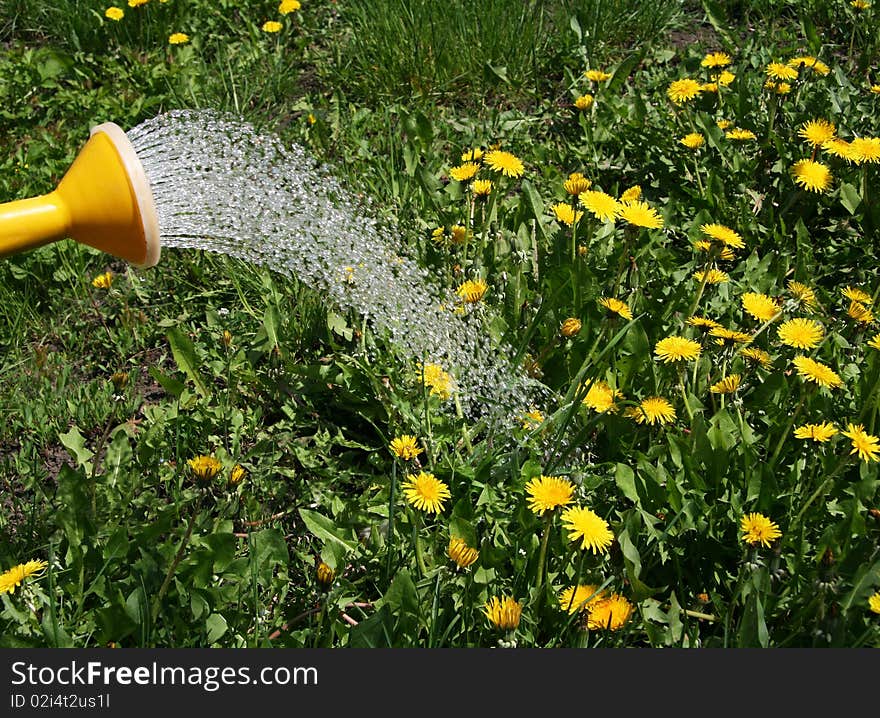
(426, 492)
(864, 444)
(504, 162)
(814, 64)
(178, 38)
(438, 381)
(475, 154)
(589, 528)
(874, 602)
(103, 281)
(854, 294)
(780, 88)
(237, 475)
(802, 293)
(781, 71)
(633, 194)
(816, 372)
(875, 89)
(204, 467)
(137, 3)
(874, 342)
(640, 214)
(406, 447)
(531, 419)
(15, 576)
(324, 575)
(860, 4)
(481, 188)
(114, 13)
(576, 184)
(458, 234)
(581, 598)
(462, 554)
(758, 529)
(674, 348)
(811, 175)
(570, 327)
(602, 206)
(727, 385)
(565, 213)
(760, 306)
(464, 172)
(729, 337)
(704, 324)
(288, 6)
(866, 149)
(860, 313)
(584, 102)
(610, 613)
(716, 59)
(600, 397)
(548, 492)
(597, 75)
(723, 124)
(653, 410)
(721, 233)
(817, 132)
(840, 148)
(739, 133)
(801, 333)
(616, 306)
(473, 290)
(819, 433)
(757, 356)
(709, 87)
(272, 26)
(680, 91)
(503, 612)
(693, 141)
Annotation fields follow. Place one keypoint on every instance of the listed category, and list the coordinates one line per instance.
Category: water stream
(222, 186)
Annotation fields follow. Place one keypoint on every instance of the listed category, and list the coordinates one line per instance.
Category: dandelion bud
(227, 338)
(236, 476)
(325, 575)
(119, 380)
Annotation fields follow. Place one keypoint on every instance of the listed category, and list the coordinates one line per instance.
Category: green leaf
(184, 353)
(535, 205)
(850, 197)
(271, 321)
(75, 442)
(623, 71)
(170, 384)
(216, 626)
(716, 15)
(323, 528)
(625, 479)
(863, 585)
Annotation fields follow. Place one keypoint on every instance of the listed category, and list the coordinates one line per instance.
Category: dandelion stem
(684, 396)
(389, 547)
(177, 558)
(417, 543)
(787, 431)
(822, 487)
(542, 556)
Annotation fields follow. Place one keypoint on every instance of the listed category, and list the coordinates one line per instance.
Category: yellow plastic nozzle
(104, 201)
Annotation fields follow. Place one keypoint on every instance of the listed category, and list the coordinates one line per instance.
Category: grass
(108, 393)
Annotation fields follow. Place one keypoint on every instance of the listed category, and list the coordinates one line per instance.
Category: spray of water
(222, 186)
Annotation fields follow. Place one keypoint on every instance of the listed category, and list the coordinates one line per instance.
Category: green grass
(107, 393)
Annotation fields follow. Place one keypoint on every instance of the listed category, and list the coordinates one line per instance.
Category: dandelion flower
(597, 75)
(673, 349)
(757, 356)
(288, 6)
(481, 188)
(503, 612)
(804, 294)
(640, 214)
(800, 333)
(504, 162)
(548, 492)
(272, 26)
(721, 233)
(781, 71)
(723, 124)
(874, 342)
(438, 381)
(760, 306)
(426, 492)
(114, 13)
(458, 234)
(693, 141)
(464, 172)
(703, 323)
(716, 59)
(103, 281)
(729, 337)
(581, 598)
(680, 91)
(600, 397)
(633, 194)
(15, 576)
(875, 89)
(814, 64)
(473, 290)
(609, 613)
(475, 154)
(589, 528)
(602, 206)
(565, 213)
(811, 175)
(462, 554)
(576, 183)
(727, 385)
(739, 133)
(204, 467)
(616, 306)
(584, 102)
(819, 433)
(758, 529)
(854, 294)
(725, 79)
(864, 444)
(324, 575)
(406, 447)
(653, 410)
(532, 418)
(137, 3)
(860, 4)
(837, 147)
(570, 327)
(816, 372)
(874, 602)
(817, 132)
(780, 88)
(860, 313)
(178, 38)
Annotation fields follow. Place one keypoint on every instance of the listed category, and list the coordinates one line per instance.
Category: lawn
(654, 422)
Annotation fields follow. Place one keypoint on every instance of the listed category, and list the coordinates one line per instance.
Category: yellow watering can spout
(104, 201)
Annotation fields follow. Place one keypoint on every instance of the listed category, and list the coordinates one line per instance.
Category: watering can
(104, 200)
